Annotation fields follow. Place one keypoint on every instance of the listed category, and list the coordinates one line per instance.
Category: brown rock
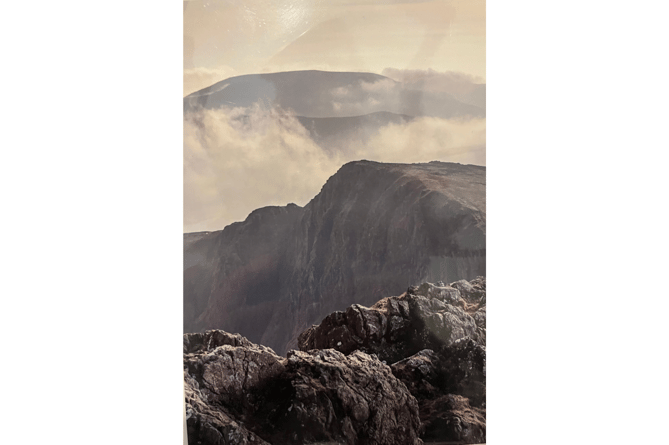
(457, 369)
(206, 424)
(436, 347)
(239, 393)
(451, 418)
(351, 399)
(395, 327)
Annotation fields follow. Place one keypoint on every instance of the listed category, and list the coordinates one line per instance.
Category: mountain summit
(320, 94)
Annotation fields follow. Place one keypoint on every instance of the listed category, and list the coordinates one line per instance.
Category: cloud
(197, 78)
(446, 77)
(366, 97)
(427, 139)
(464, 87)
(236, 161)
(379, 87)
(233, 166)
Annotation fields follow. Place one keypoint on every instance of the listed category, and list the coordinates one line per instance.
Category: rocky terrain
(409, 369)
(374, 228)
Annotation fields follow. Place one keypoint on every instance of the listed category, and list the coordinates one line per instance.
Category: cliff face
(373, 230)
(231, 277)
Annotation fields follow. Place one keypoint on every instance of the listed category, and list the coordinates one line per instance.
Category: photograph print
(334, 168)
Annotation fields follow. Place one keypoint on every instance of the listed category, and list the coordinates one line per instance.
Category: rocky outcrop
(238, 392)
(374, 228)
(351, 399)
(208, 424)
(456, 369)
(408, 368)
(451, 418)
(434, 338)
(425, 317)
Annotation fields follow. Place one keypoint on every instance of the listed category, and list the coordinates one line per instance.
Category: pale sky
(224, 38)
(230, 170)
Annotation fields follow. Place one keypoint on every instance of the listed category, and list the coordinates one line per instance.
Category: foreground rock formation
(427, 317)
(434, 336)
(240, 393)
(374, 228)
(408, 368)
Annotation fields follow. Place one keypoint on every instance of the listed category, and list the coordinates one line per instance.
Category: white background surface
(91, 190)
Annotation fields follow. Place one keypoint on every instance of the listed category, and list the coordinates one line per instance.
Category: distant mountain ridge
(324, 129)
(373, 230)
(326, 94)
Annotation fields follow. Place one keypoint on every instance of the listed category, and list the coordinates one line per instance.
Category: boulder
(420, 374)
(207, 424)
(472, 291)
(447, 294)
(451, 418)
(457, 369)
(238, 392)
(352, 399)
(426, 317)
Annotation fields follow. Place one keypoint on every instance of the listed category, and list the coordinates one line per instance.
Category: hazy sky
(223, 38)
(230, 170)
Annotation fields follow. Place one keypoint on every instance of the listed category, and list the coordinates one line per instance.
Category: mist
(462, 86)
(238, 160)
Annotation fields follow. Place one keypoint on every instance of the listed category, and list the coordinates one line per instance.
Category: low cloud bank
(464, 87)
(445, 81)
(236, 161)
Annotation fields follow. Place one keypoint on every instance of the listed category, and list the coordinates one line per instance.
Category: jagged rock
(463, 367)
(473, 292)
(206, 424)
(419, 373)
(433, 379)
(451, 418)
(480, 319)
(210, 340)
(447, 294)
(457, 369)
(239, 393)
(396, 327)
(436, 345)
(347, 399)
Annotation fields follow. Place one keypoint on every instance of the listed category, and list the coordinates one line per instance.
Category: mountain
(464, 91)
(329, 130)
(373, 230)
(335, 133)
(321, 94)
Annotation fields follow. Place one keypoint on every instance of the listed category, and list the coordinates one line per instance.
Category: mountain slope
(373, 230)
(329, 130)
(336, 133)
(321, 94)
